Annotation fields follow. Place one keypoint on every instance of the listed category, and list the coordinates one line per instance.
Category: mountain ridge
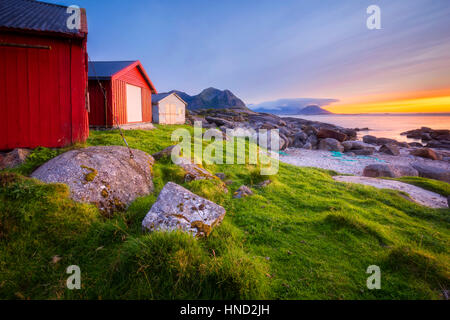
(211, 98)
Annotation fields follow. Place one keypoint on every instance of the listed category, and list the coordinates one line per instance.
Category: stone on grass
(14, 158)
(243, 192)
(104, 176)
(194, 171)
(265, 183)
(167, 152)
(221, 176)
(179, 209)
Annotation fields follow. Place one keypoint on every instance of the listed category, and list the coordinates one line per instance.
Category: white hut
(168, 108)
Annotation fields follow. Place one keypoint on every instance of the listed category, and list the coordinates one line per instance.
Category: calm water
(386, 126)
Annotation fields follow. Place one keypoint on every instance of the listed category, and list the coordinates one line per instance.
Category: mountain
(299, 106)
(212, 98)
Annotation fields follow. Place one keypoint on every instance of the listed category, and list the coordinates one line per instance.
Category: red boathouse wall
(43, 83)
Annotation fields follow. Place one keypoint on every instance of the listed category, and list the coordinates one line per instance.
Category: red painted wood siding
(146, 105)
(97, 103)
(42, 100)
(133, 77)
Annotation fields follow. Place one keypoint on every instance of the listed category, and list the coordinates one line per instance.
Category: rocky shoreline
(301, 140)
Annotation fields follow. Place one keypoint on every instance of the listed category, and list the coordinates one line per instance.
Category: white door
(134, 103)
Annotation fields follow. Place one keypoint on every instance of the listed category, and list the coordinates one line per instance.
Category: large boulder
(370, 139)
(105, 176)
(325, 133)
(300, 139)
(312, 140)
(432, 172)
(330, 144)
(426, 153)
(179, 209)
(14, 158)
(387, 170)
(443, 144)
(390, 149)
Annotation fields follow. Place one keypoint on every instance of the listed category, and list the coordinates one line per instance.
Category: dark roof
(158, 97)
(104, 70)
(38, 16)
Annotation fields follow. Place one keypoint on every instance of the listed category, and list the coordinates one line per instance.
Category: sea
(384, 125)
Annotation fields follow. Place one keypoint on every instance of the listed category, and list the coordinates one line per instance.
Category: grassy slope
(436, 186)
(304, 236)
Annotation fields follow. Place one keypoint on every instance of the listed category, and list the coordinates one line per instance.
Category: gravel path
(418, 195)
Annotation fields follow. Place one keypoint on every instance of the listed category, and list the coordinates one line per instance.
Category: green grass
(439, 187)
(304, 236)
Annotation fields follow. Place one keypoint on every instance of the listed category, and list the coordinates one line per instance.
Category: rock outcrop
(433, 138)
(390, 171)
(105, 176)
(330, 144)
(325, 133)
(14, 158)
(426, 153)
(390, 149)
(432, 172)
(179, 209)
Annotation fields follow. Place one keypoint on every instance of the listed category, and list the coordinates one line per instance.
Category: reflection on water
(386, 126)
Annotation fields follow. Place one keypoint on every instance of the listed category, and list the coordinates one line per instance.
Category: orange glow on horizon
(440, 104)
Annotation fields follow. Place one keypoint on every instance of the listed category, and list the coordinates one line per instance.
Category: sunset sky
(268, 50)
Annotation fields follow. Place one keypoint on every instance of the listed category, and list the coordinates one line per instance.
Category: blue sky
(267, 50)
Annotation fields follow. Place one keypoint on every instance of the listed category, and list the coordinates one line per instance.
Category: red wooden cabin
(128, 91)
(43, 76)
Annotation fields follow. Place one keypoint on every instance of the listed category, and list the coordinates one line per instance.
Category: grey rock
(310, 130)
(325, 133)
(390, 149)
(300, 139)
(265, 183)
(242, 192)
(167, 152)
(431, 172)
(221, 175)
(14, 158)
(104, 176)
(179, 209)
(386, 170)
(348, 145)
(312, 139)
(370, 139)
(195, 172)
(220, 122)
(415, 144)
(426, 153)
(307, 146)
(330, 144)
